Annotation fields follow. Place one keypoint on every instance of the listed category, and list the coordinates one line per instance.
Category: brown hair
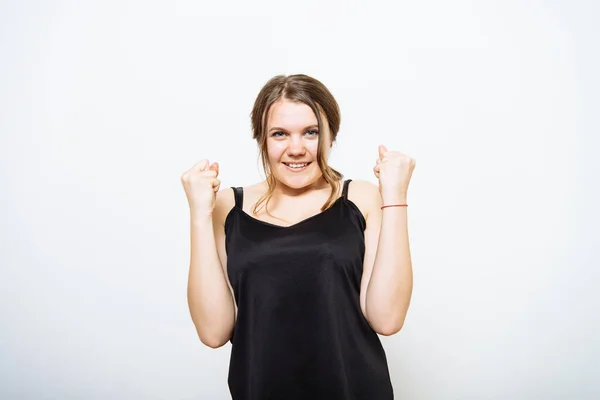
(302, 89)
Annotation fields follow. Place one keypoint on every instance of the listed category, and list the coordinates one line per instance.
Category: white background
(104, 104)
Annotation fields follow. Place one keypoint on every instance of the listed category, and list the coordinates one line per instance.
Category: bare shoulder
(226, 200)
(365, 195)
(224, 203)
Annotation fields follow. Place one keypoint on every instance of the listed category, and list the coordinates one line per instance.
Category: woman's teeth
(297, 166)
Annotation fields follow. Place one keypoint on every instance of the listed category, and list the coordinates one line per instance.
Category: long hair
(302, 89)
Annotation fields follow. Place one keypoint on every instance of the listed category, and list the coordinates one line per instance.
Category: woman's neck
(281, 190)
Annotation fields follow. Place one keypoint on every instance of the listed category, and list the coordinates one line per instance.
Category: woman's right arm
(210, 297)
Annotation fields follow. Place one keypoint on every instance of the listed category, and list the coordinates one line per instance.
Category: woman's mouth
(296, 167)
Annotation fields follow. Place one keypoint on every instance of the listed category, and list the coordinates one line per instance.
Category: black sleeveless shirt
(300, 332)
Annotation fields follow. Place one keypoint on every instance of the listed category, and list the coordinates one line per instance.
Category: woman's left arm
(387, 283)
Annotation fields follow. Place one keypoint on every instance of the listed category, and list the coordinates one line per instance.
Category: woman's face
(292, 143)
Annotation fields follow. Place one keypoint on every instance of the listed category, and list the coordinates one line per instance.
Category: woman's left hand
(394, 170)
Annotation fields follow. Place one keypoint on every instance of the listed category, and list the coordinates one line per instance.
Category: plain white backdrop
(104, 104)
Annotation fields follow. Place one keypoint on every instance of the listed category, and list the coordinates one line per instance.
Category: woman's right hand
(201, 186)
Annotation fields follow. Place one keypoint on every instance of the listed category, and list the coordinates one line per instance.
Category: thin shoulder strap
(345, 191)
(239, 196)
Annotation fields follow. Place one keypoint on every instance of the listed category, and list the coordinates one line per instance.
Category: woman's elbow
(214, 338)
(389, 330)
(388, 326)
(214, 342)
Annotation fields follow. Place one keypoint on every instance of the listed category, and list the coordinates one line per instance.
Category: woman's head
(295, 120)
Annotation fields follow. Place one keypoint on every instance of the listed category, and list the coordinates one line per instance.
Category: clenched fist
(394, 171)
(201, 186)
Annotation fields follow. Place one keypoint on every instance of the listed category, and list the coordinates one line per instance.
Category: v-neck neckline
(301, 222)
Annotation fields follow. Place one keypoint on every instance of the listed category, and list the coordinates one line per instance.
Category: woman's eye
(310, 132)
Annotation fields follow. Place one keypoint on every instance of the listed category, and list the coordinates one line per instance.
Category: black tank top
(300, 332)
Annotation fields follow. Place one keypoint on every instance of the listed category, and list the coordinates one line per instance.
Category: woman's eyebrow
(276, 128)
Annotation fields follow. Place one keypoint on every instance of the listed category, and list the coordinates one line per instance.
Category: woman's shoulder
(225, 200)
(224, 203)
(362, 190)
(365, 195)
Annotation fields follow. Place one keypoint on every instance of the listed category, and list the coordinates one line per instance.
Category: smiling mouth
(297, 165)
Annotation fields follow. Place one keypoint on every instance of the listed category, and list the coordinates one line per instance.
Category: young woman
(303, 270)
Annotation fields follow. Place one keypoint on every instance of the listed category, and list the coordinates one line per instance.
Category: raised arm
(210, 298)
(387, 283)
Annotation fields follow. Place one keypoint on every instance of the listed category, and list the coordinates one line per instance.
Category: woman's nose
(296, 147)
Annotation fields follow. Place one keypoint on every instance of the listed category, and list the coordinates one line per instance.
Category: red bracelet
(394, 205)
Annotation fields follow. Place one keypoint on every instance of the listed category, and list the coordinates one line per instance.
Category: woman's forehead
(291, 115)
